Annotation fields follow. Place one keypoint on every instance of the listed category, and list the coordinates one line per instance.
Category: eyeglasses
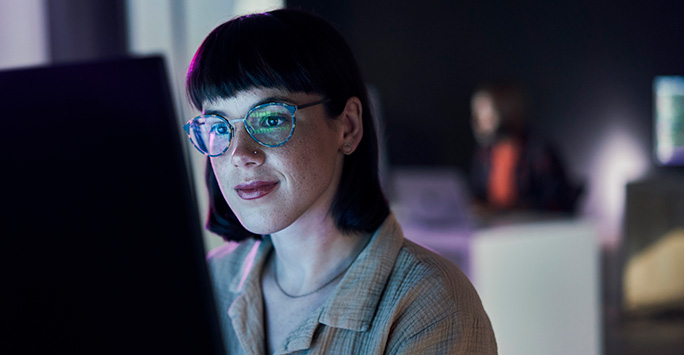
(270, 124)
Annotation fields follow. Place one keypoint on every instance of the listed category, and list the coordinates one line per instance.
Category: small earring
(347, 149)
(255, 152)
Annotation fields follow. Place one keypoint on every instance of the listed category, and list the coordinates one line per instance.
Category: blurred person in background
(511, 170)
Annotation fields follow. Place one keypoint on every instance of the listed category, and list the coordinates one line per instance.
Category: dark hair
(298, 52)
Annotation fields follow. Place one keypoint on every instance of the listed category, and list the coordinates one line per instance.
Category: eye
(220, 128)
(272, 121)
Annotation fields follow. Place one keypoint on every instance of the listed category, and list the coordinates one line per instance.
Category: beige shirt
(396, 298)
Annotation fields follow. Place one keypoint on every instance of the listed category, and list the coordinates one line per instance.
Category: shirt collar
(347, 307)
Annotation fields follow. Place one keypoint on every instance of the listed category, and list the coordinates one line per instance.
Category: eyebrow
(267, 100)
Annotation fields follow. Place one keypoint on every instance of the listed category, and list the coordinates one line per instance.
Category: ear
(352, 123)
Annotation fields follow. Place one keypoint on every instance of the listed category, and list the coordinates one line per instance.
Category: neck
(306, 258)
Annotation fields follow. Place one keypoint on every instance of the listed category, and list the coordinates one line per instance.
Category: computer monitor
(101, 237)
(669, 120)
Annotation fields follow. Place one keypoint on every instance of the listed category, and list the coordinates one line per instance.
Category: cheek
(221, 174)
(305, 163)
(314, 161)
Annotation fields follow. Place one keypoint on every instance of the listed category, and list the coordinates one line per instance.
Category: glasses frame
(291, 108)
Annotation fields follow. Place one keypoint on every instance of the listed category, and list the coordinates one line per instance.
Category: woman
(511, 171)
(321, 265)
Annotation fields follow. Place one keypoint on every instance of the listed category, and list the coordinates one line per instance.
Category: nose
(244, 150)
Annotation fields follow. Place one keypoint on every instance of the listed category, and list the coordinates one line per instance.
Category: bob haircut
(293, 51)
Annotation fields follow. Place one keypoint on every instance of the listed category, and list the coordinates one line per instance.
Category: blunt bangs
(265, 51)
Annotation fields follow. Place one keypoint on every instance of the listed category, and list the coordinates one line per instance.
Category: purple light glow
(617, 161)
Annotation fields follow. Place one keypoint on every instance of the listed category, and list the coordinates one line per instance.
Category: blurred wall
(85, 30)
(23, 33)
(40, 32)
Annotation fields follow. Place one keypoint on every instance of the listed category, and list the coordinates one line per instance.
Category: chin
(260, 224)
(255, 220)
(259, 230)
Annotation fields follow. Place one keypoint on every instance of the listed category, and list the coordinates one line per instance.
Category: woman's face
(486, 118)
(270, 189)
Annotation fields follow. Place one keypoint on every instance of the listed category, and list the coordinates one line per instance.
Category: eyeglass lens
(270, 125)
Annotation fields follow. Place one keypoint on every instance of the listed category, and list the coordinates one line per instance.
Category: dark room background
(587, 65)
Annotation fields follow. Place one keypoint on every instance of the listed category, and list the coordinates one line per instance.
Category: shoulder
(422, 272)
(437, 306)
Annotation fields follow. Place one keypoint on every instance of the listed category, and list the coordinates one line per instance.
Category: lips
(255, 190)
